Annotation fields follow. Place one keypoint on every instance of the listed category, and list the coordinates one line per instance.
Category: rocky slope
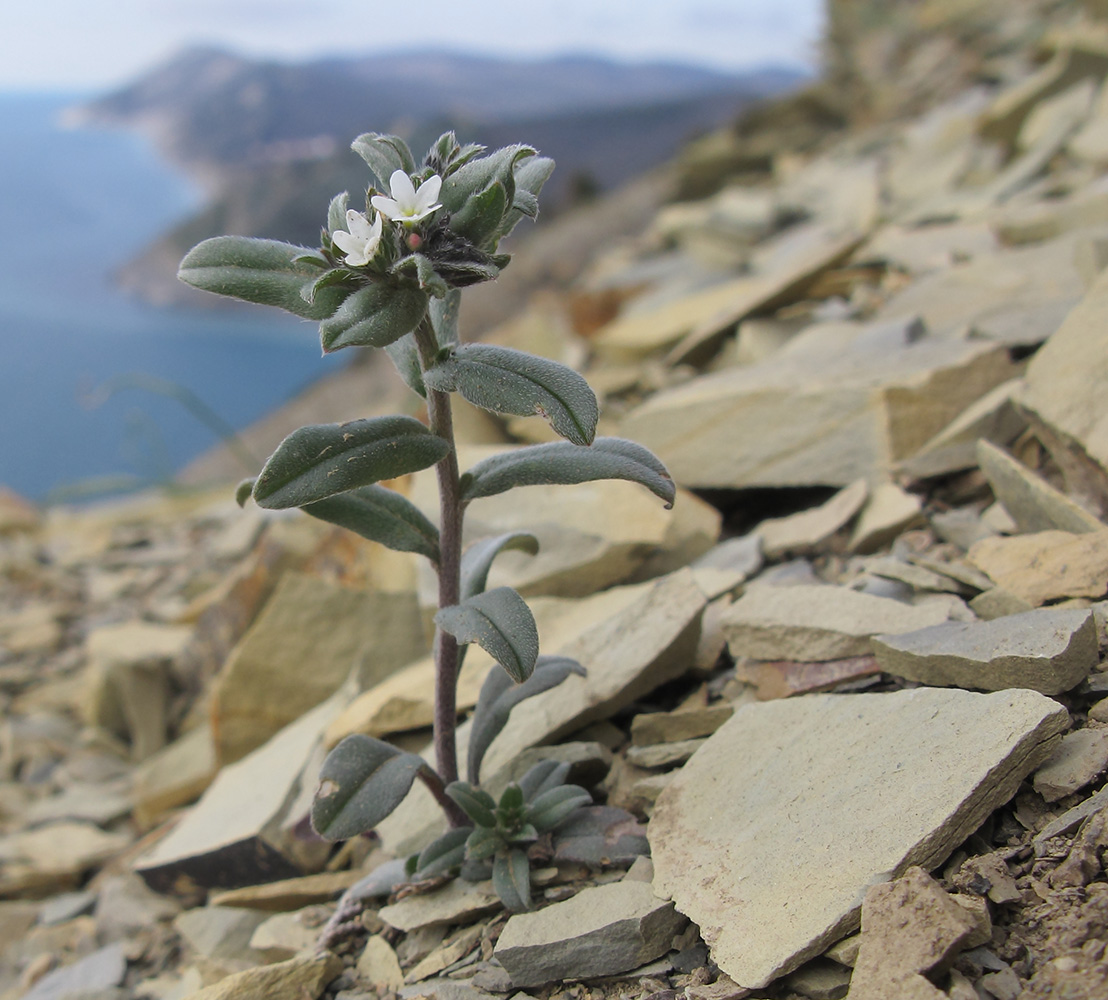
(852, 690)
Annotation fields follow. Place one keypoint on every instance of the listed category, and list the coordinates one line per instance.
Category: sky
(69, 45)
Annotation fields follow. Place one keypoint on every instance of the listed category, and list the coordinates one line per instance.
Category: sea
(100, 393)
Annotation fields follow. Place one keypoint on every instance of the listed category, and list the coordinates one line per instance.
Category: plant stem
(437, 787)
(450, 562)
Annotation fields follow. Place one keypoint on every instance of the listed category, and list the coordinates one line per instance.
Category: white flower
(360, 244)
(407, 204)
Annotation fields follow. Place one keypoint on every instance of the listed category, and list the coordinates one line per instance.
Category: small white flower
(407, 204)
(360, 243)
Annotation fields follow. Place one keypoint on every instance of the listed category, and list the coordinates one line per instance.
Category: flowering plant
(391, 277)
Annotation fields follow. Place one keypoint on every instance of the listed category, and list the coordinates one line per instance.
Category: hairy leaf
(336, 212)
(508, 381)
(601, 837)
(555, 805)
(478, 558)
(559, 463)
(318, 461)
(420, 267)
(543, 776)
(511, 878)
(478, 174)
(444, 853)
(499, 696)
(404, 354)
(384, 154)
(530, 175)
(373, 316)
(480, 218)
(262, 271)
(483, 843)
(500, 622)
(381, 515)
(244, 490)
(444, 317)
(477, 804)
(361, 782)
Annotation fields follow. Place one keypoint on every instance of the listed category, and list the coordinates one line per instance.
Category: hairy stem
(437, 788)
(450, 562)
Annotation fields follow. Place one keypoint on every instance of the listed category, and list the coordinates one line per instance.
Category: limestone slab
(1076, 761)
(1034, 504)
(839, 402)
(236, 834)
(801, 533)
(264, 684)
(1050, 650)
(601, 931)
(1066, 377)
(456, 902)
(301, 978)
(832, 793)
(888, 511)
(1045, 565)
(811, 622)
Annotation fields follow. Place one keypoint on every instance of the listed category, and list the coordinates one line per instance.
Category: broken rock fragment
(910, 927)
(601, 931)
(811, 622)
(1050, 650)
(902, 777)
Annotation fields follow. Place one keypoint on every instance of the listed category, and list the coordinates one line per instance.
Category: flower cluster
(361, 238)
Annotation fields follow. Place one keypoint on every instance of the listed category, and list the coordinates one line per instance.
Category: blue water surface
(74, 205)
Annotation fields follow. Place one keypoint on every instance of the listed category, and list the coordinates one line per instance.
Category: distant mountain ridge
(211, 109)
(270, 140)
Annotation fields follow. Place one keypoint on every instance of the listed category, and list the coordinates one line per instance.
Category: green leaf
(336, 212)
(600, 836)
(483, 843)
(444, 317)
(508, 381)
(381, 515)
(477, 804)
(375, 315)
(421, 268)
(404, 354)
(511, 878)
(543, 776)
(511, 799)
(530, 175)
(262, 271)
(499, 696)
(559, 463)
(556, 805)
(384, 154)
(444, 853)
(334, 277)
(477, 559)
(500, 622)
(244, 490)
(479, 174)
(318, 461)
(480, 218)
(361, 782)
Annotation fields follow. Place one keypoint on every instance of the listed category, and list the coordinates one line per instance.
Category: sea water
(74, 205)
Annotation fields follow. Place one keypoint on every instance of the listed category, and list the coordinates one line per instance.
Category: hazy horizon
(65, 46)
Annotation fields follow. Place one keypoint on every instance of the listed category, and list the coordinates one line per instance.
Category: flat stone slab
(812, 622)
(1050, 650)
(599, 932)
(1046, 565)
(770, 835)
